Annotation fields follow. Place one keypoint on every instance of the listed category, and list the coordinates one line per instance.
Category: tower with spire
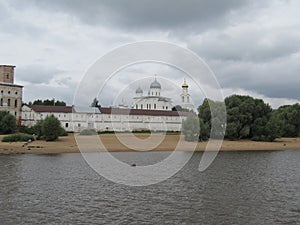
(185, 97)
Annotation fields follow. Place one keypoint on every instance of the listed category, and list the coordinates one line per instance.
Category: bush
(18, 137)
(63, 132)
(51, 128)
(8, 123)
(88, 132)
(191, 128)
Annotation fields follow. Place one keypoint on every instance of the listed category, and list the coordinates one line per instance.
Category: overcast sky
(253, 47)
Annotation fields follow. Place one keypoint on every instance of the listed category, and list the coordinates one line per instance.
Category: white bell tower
(185, 97)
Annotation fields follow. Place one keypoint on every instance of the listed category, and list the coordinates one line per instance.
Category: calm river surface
(238, 188)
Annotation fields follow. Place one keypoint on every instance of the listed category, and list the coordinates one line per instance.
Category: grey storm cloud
(144, 14)
(253, 45)
(37, 74)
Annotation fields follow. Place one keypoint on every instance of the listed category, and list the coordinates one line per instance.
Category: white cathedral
(154, 100)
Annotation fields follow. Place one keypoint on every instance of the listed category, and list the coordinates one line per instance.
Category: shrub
(51, 128)
(18, 137)
(8, 123)
(88, 132)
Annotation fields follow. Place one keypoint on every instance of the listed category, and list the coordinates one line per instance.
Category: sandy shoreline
(137, 141)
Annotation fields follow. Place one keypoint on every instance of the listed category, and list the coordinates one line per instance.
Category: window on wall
(154, 106)
(141, 106)
(1, 102)
(16, 103)
(166, 107)
(7, 76)
(79, 125)
(8, 102)
(16, 92)
(8, 92)
(67, 124)
(149, 106)
(136, 106)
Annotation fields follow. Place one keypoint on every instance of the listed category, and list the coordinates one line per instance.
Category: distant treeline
(47, 102)
(249, 118)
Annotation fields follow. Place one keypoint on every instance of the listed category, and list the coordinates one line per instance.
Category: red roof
(119, 111)
(105, 110)
(51, 108)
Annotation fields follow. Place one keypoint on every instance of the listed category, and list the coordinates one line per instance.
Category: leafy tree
(247, 117)
(190, 128)
(288, 117)
(207, 116)
(95, 103)
(49, 102)
(8, 123)
(51, 128)
(179, 109)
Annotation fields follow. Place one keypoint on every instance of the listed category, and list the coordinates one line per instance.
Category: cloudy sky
(253, 47)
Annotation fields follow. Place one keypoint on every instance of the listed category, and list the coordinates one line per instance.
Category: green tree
(179, 108)
(49, 102)
(51, 128)
(191, 128)
(8, 123)
(207, 116)
(247, 117)
(95, 103)
(288, 117)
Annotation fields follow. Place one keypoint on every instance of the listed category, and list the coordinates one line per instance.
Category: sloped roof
(119, 111)
(51, 108)
(106, 110)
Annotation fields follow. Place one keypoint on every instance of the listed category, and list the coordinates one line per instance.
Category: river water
(238, 188)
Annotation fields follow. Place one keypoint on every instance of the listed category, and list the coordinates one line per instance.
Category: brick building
(10, 93)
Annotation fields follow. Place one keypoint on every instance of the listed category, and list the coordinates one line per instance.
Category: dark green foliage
(289, 120)
(18, 137)
(49, 102)
(95, 103)
(51, 128)
(206, 116)
(179, 108)
(191, 128)
(88, 132)
(8, 123)
(248, 118)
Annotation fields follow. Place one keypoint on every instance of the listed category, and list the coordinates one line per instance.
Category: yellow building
(10, 93)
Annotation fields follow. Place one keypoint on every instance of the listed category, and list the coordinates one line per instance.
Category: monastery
(148, 112)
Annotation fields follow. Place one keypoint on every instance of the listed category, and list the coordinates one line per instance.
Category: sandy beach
(138, 142)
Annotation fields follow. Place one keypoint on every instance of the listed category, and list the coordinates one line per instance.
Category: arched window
(1, 102)
(141, 106)
(8, 102)
(154, 106)
(16, 103)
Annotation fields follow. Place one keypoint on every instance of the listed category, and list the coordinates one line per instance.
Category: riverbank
(123, 143)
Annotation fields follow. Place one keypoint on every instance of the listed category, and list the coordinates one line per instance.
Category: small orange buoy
(133, 164)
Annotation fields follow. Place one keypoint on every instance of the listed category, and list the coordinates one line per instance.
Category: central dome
(155, 84)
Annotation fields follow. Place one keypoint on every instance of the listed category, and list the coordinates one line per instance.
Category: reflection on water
(238, 188)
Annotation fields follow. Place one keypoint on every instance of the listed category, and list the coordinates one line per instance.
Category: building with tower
(10, 93)
(148, 112)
